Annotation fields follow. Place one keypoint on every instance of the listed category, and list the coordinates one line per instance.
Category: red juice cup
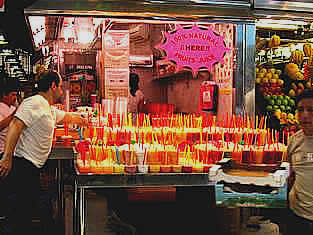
(247, 155)
(269, 157)
(278, 156)
(258, 153)
(237, 154)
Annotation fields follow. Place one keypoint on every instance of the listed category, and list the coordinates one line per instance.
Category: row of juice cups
(121, 169)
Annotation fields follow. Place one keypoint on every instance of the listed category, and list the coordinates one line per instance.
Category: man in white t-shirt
(7, 106)
(300, 155)
(27, 147)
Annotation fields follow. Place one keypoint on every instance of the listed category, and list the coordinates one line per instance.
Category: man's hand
(5, 167)
(75, 118)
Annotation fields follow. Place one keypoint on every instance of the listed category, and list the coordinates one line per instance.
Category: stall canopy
(13, 25)
(144, 8)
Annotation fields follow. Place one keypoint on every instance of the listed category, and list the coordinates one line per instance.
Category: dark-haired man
(300, 155)
(27, 147)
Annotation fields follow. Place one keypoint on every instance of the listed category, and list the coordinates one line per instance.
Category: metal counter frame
(59, 153)
(92, 181)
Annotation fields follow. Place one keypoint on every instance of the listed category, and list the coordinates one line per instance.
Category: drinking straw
(137, 120)
(144, 157)
(117, 152)
(80, 133)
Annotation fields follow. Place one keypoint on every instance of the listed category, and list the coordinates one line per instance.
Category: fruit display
(293, 72)
(284, 69)
(268, 81)
(274, 41)
(307, 49)
(297, 57)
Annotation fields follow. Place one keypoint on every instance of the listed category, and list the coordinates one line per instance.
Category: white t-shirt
(300, 154)
(5, 111)
(40, 119)
(133, 101)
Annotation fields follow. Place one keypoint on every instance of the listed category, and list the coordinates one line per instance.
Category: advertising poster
(116, 49)
(116, 83)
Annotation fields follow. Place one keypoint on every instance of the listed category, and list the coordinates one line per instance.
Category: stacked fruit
(282, 107)
(293, 71)
(296, 88)
(274, 41)
(297, 57)
(268, 81)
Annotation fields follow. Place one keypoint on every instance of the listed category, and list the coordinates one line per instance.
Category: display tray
(256, 167)
(225, 172)
(245, 172)
(141, 179)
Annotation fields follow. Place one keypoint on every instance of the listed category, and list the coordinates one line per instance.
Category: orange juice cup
(118, 169)
(154, 168)
(154, 158)
(177, 168)
(83, 167)
(107, 169)
(172, 158)
(197, 168)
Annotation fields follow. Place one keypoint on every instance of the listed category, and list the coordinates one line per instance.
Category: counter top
(140, 179)
(61, 151)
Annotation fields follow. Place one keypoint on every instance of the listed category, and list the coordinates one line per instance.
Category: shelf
(171, 77)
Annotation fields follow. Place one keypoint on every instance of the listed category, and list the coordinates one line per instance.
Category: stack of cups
(107, 106)
(121, 105)
(142, 167)
(121, 108)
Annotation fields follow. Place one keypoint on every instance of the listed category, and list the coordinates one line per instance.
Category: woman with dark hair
(8, 97)
(136, 97)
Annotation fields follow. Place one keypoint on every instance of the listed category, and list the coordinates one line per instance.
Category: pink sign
(194, 48)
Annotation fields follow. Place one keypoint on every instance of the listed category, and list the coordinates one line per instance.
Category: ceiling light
(276, 26)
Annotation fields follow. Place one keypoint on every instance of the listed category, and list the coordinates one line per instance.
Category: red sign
(194, 48)
(2, 5)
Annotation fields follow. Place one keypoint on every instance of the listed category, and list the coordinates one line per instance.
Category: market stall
(197, 71)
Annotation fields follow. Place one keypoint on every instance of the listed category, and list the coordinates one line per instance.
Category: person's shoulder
(297, 137)
(3, 108)
(139, 93)
(35, 99)
(2, 105)
(299, 133)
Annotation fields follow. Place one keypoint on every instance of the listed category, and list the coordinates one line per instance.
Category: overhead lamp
(276, 26)
(3, 41)
(6, 52)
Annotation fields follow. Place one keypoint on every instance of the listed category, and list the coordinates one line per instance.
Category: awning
(186, 9)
